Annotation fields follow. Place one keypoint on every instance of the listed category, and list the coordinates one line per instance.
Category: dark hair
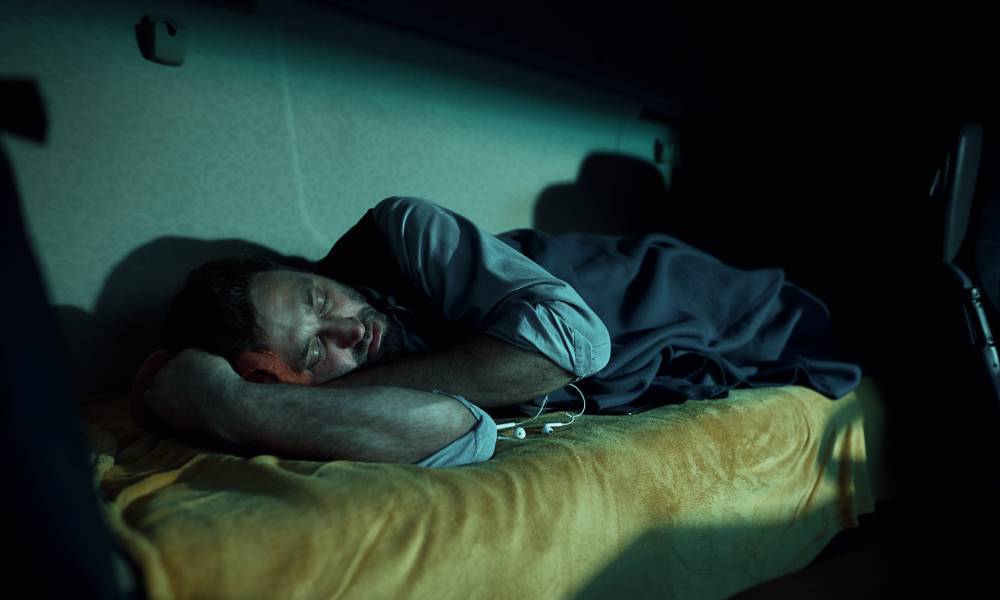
(213, 311)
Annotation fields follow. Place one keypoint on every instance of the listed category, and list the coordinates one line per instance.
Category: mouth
(376, 341)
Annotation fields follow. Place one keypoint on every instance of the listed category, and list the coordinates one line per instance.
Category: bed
(696, 500)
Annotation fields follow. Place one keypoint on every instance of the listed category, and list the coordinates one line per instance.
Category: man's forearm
(377, 423)
(485, 370)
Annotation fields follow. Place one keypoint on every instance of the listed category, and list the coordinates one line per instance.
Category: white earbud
(550, 427)
(519, 432)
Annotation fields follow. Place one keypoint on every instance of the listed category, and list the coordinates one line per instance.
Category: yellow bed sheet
(698, 500)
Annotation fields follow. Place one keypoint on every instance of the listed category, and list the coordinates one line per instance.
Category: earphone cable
(572, 417)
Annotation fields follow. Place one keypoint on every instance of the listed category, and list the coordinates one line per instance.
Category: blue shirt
(485, 285)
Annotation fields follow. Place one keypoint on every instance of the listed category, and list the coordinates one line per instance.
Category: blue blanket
(685, 326)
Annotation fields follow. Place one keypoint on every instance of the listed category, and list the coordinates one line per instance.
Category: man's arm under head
(199, 394)
(486, 371)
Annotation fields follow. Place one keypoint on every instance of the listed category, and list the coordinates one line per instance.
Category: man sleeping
(390, 347)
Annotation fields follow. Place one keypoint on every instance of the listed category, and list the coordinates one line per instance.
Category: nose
(345, 332)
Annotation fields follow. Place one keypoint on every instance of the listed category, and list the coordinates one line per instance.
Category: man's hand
(194, 394)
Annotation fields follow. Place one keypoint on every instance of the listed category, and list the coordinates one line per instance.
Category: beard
(391, 344)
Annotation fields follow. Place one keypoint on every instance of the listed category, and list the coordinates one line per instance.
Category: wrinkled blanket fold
(697, 500)
(686, 326)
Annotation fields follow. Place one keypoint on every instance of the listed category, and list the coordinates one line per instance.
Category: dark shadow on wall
(613, 194)
(616, 194)
(106, 348)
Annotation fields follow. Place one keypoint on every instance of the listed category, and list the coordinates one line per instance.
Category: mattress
(695, 500)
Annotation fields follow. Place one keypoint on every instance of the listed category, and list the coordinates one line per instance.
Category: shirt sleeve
(488, 286)
(476, 445)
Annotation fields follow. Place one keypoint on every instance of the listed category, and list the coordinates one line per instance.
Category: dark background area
(809, 136)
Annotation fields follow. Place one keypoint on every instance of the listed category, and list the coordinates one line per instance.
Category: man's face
(319, 326)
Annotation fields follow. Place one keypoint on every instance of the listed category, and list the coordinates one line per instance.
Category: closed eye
(317, 354)
(324, 305)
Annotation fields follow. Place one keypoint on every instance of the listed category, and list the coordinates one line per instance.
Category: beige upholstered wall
(280, 129)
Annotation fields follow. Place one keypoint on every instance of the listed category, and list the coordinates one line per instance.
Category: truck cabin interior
(852, 147)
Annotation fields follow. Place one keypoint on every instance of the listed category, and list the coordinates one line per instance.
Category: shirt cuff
(576, 341)
(476, 445)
